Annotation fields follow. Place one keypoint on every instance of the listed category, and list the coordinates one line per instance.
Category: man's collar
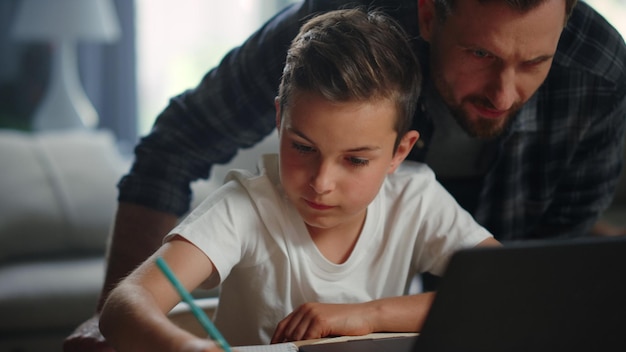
(526, 119)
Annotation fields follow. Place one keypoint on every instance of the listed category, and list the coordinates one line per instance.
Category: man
(522, 119)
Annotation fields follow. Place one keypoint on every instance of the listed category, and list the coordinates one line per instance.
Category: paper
(376, 335)
(291, 347)
(277, 347)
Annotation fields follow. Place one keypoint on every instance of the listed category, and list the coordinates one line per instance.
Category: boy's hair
(353, 55)
(443, 8)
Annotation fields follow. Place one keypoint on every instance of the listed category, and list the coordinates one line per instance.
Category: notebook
(566, 295)
(366, 343)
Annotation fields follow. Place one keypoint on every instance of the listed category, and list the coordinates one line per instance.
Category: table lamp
(63, 23)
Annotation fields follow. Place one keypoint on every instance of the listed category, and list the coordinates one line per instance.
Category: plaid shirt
(552, 172)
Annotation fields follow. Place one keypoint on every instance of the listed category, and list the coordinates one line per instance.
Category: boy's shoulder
(411, 177)
(260, 185)
(414, 169)
(267, 168)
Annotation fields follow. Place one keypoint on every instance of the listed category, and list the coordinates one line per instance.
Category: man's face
(487, 59)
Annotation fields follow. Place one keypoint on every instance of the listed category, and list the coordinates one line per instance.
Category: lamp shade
(63, 19)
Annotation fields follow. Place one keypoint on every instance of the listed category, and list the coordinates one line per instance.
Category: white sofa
(57, 203)
(58, 196)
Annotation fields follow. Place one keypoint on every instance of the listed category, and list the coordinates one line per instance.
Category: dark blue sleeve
(231, 108)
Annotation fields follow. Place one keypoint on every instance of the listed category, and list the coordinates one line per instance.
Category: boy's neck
(337, 243)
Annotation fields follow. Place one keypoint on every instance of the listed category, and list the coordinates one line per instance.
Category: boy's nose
(322, 180)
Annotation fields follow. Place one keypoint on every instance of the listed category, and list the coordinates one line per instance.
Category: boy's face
(488, 59)
(335, 156)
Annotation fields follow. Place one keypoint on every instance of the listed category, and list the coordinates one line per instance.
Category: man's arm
(137, 233)
(587, 188)
(589, 87)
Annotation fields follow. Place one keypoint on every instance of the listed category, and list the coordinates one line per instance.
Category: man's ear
(426, 18)
(278, 119)
(404, 148)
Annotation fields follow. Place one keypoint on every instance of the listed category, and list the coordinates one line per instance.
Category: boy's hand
(315, 320)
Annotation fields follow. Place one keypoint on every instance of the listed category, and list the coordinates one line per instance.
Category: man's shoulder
(394, 8)
(590, 44)
(370, 3)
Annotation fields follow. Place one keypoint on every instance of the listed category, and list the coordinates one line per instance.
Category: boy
(325, 239)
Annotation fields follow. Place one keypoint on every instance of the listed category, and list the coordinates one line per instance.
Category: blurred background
(164, 48)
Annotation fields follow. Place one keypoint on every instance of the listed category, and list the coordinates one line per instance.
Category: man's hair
(443, 8)
(353, 55)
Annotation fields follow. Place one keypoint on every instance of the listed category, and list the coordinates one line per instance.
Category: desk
(378, 335)
(182, 317)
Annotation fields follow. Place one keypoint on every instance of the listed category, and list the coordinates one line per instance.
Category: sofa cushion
(54, 295)
(58, 190)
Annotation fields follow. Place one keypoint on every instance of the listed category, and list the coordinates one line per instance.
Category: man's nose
(502, 92)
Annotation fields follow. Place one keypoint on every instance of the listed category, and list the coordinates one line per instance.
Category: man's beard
(481, 128)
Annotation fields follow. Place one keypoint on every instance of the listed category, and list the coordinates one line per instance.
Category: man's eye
(358, 161)
(480, 53)
(302, 148)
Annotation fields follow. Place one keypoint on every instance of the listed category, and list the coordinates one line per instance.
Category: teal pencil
(206, 323)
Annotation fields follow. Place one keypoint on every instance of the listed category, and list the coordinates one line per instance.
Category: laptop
(565, 295)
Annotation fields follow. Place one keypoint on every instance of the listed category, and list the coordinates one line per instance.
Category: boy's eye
(358, 161)
(302, 148)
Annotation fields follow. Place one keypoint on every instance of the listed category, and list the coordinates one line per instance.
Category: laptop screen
(566, 295)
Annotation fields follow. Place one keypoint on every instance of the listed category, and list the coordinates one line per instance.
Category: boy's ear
(278, 119)
(404, 148)
(426, 18)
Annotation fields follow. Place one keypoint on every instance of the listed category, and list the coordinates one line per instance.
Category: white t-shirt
(270, 265)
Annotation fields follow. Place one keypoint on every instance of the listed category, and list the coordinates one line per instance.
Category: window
(179, 41)
(614, 11)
